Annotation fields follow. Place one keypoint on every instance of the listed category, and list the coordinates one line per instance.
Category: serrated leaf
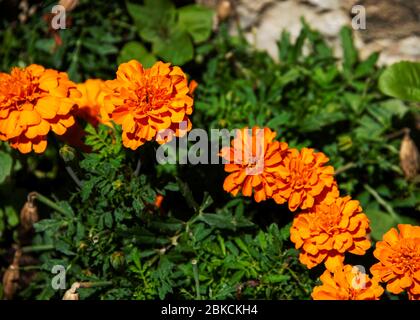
(177, 48)
(6, 163)
(197, 21)
(380, 223)
(401, 80)
(135, 50)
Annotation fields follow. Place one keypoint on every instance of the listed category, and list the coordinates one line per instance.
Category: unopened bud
(69, 5)
(11, 278)
(28, 215)
(67, 153)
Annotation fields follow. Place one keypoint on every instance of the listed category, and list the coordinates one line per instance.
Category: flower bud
(409, 156)
(117, 260)
(11, 278)
(28, 215)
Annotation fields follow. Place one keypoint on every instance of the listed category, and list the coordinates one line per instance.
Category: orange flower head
(33, 102)
(253, 161)
(347, 283)
(325, 232)
(158, 200)
(91, 103)
(399, 260)
(309, 181)
(149, 102)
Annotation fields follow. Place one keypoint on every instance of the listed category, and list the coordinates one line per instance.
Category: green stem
(197, 281)
(36, 248)
(382, 202)
(49, 203)
(346, 167)
(297, 280)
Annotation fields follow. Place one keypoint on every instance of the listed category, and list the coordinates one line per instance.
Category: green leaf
(108, 219)
(177, 48)
(152, 14)
(276, 278)
(401, 80)
(197, 21)
(6, 162)
(366, 67)
(135, 50)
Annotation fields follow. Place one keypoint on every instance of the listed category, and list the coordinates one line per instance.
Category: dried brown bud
(11, 278)
(72, 294)
(409, 156)
(28, 215)
(224, 9)
(69, 5)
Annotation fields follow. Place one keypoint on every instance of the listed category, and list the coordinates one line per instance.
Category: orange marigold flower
(33, 101)
(253, 163)
(347, 283)
(399, 260)
(91, 103)
(147, 101)
(309, 181)
(326, 231)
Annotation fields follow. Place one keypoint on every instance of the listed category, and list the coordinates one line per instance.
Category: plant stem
(137, 170)
(382, 202)
(297, 280)
(197, 281)
(36, 248)
(49, 202)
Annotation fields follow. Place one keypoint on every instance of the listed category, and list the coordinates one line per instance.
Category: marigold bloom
(253, 163)
(399, 260)
(146, 101)
(91, 103)
(33, 101)
(347, 283)
(309, 181)
(326, 231)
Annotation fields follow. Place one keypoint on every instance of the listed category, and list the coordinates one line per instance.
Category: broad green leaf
(380, 223)
(6, 162)
(350, 56)
(218, 221)
(151, 13)
(135, 50)
(401, 80)
(197, 21)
